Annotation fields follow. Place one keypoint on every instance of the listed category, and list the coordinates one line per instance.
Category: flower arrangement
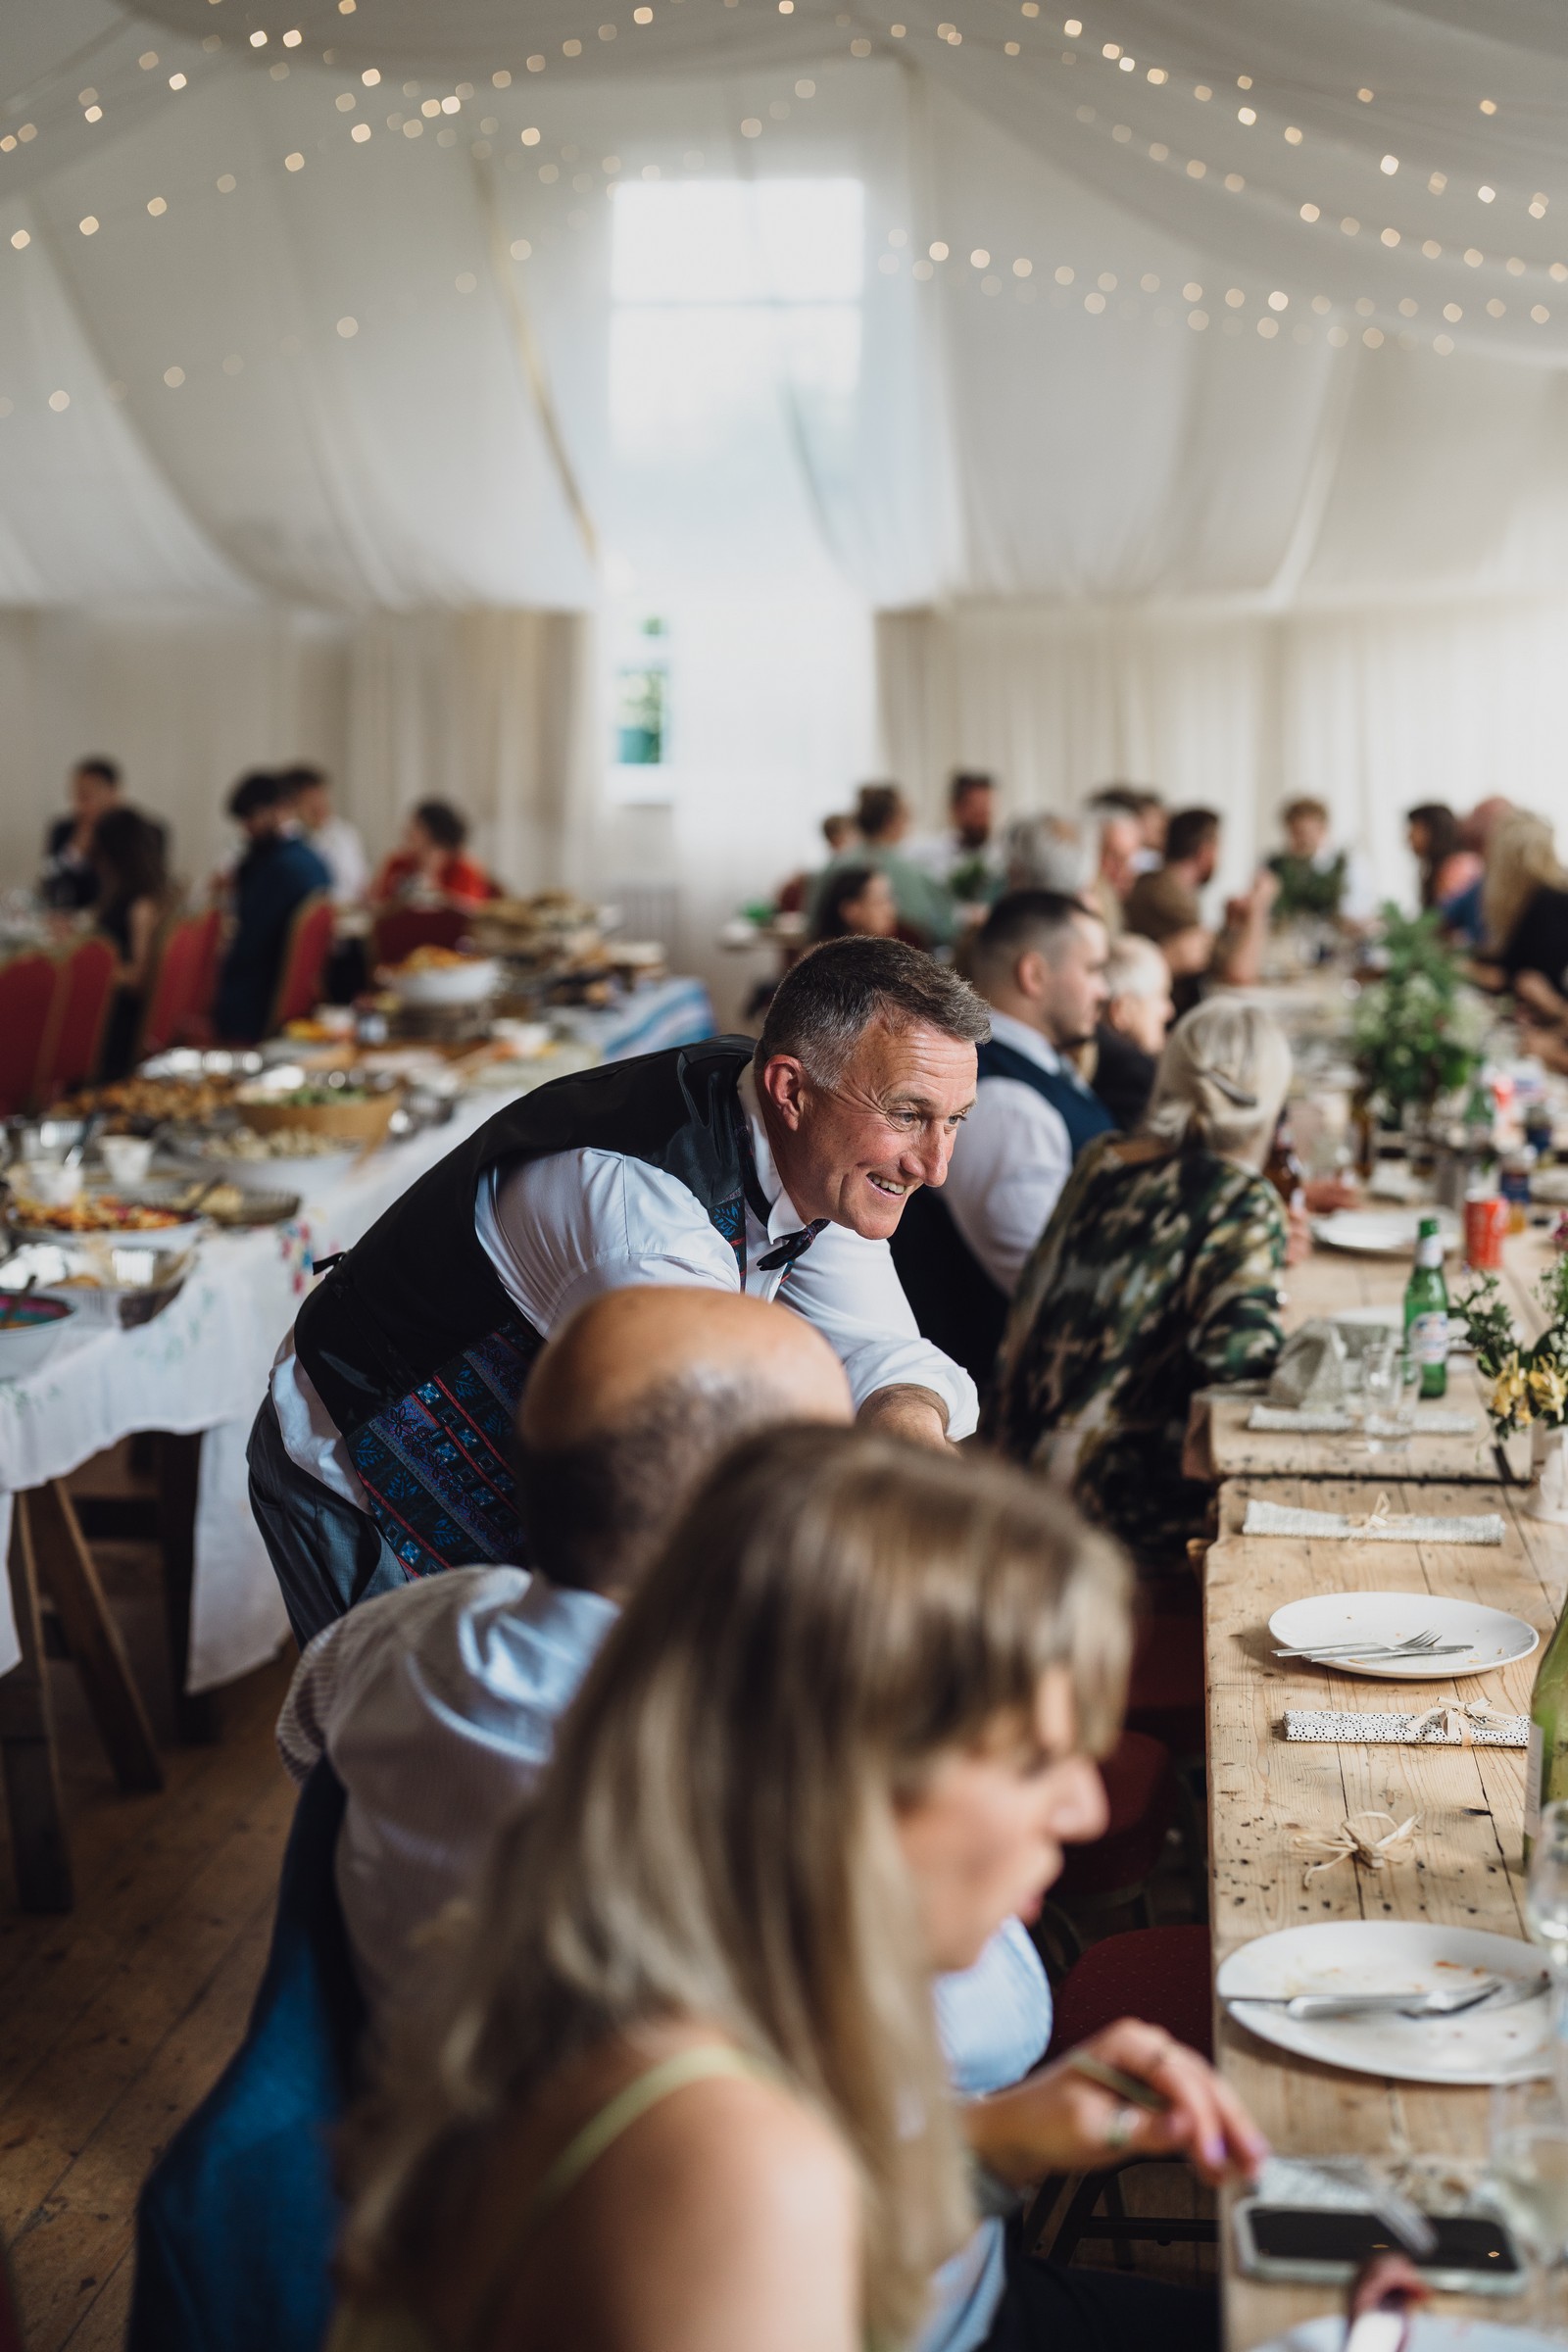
(1417, 1034)
(1522, 1385)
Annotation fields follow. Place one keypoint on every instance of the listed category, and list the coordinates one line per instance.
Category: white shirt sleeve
(849, 1289)
(1012, 1157)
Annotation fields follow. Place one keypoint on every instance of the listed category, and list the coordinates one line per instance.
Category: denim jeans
(327, 1556)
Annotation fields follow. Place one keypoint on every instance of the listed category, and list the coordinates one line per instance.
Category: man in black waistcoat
(1039, 961)
(383, 1449)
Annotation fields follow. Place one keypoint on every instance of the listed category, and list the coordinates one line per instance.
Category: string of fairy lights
(456, 115)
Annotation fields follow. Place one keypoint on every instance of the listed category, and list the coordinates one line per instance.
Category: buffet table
(202, 1366)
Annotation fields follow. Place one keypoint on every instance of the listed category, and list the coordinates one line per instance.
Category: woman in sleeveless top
(689, 2093)
(127, 854)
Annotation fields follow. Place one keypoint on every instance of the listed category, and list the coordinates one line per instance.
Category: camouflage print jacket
(1158, 1275)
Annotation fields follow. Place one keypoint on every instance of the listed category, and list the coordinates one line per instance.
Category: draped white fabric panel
(1373, 710)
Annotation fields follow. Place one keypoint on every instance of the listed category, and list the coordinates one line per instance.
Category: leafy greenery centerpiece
(1417, 1033)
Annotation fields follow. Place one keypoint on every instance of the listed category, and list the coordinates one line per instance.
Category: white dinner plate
(1430, 2331)
(1493, 1638)
(1393, 1955)
(1382, 1231)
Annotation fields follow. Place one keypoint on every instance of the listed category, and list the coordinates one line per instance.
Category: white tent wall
(1373, 710)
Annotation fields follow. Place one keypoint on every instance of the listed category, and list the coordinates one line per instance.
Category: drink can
(1486, 1222)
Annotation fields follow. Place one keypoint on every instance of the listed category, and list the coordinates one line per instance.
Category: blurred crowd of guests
(106, 867)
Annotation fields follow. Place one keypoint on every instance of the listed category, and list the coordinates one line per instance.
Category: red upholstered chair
(1165, 1696)
(1113, 1872)
(85, 984)
(399, 930)
(172, 1016)
(304, 968)
(1166, 1976)
(199, 1021)
(27, 987)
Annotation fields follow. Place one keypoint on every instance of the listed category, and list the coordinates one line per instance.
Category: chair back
(28, 988)
(236, 2222)
(173, 992)
(206, 977)
(399, 930)
(75, 1039)
(304, 968)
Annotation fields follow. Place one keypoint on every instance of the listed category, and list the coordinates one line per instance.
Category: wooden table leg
(40, 1855)
(178, 1477)
(64, 1563)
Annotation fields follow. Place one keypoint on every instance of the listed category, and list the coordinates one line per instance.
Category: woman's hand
(1058, 2121)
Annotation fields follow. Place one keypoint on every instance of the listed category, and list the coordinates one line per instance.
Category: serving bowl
(30, 1330)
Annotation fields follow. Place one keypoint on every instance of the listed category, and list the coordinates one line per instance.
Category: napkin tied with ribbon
(1380, 1525)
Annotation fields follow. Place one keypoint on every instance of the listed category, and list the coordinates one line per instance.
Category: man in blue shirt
(277, 873)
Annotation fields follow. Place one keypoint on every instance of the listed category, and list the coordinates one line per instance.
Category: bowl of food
(128, 1158)
(441, 976)
(347, 1115)
(55, 1183)
(30, 1329)
(291, 1159)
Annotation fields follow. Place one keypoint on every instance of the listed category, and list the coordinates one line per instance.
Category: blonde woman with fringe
(1159, 1273)
(1524, 906)
(690, 2097)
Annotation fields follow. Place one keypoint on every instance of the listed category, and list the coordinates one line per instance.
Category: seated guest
(927, 916)
(1165, 905)
(458, 1682)
(689, 2090)
(1524, 903)
(275, 875)
(382, 1448)
(335, 840)
(1158, 1275)
(1316, 879)
(1131, 1036)
(965, 858)
(68, 881)
(1048, 853)
(797, 893)
(1039, 961)
(840, 832)
(428, 868)
(857, 903)
(132, 899)
(1115, 814)
(1451, 875)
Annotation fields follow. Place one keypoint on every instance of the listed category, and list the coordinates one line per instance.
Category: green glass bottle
(1426, 1313)
(1546, 1767)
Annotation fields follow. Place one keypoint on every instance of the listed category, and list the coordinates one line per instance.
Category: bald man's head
(633, 1401)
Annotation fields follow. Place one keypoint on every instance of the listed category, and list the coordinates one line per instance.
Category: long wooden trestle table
(1265, 1792)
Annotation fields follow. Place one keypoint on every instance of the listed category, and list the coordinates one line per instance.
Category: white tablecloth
(203, 1364)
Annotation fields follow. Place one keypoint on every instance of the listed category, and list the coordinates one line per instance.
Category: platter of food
(104, 1283)
(31, 1329)
(292, 1159)
(101, 1216)
(347, 1113)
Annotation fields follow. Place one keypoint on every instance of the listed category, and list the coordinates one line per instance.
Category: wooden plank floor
(114, 2018)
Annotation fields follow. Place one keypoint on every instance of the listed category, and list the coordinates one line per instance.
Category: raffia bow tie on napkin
(1379, 1524)
(1448, 1724)
(1350, 1844)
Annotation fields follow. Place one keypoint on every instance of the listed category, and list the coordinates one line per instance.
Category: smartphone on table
(1316, 2245)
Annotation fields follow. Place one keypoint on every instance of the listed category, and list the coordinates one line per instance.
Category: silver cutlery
(1414, 1645)
(1492, 1992)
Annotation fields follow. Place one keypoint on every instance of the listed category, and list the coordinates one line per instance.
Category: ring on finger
(1121, 2129)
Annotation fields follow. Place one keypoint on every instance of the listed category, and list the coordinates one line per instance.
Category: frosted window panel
(734, 241)
(682, 380)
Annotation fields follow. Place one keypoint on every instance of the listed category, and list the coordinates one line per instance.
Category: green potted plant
(1417, 1033)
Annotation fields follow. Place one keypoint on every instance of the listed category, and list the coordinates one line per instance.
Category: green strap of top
(602, 2130)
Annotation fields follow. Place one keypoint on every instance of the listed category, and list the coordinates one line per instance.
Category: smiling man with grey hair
(383, 1449)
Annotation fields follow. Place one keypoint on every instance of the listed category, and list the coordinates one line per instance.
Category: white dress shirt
(560, 1230)
(338, 846)
(944, 855)
(1011, 1159)
(436, 1707)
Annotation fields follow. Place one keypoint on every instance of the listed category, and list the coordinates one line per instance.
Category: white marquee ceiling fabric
(376, 371)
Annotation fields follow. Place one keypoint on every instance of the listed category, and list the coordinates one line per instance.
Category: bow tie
(792, 1246)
